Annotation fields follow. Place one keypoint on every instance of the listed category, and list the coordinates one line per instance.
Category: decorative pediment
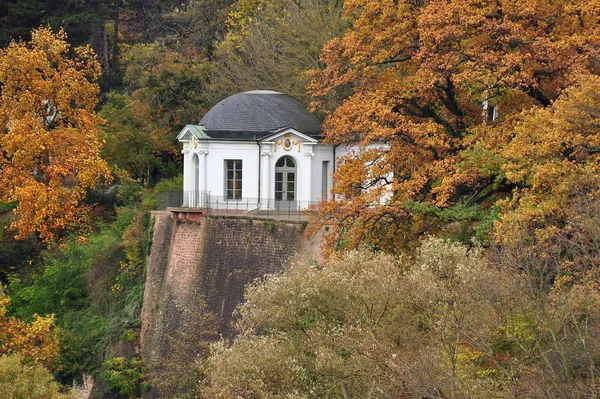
(191, 132)
(288, 139)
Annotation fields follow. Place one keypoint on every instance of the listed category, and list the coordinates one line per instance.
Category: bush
(15, 255)
(444, 323)
(124, 376)
(19, 380)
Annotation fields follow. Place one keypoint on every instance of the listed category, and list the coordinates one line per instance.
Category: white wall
(218, 152)
(309, 159)
(211, 177)
(322, 152)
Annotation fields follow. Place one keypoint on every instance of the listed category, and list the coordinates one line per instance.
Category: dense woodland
(476, 277)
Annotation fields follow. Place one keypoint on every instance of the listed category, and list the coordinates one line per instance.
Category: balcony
(206, 203)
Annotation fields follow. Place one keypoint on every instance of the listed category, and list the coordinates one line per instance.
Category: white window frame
(233, 191)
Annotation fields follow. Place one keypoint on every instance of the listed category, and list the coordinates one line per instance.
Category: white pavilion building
(262, 148)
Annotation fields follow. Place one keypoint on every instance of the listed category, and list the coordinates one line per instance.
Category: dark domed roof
(258, 111)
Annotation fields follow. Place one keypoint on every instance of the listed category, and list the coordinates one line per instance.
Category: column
(187, 176)
(203, 195)
(306, 190)
(265, 178)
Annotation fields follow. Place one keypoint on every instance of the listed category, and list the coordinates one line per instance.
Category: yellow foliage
(36, 342)
(554, 159)
(49, 136)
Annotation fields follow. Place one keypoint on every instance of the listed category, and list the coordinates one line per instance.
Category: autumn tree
(418, 85)
(35, 342)
(49, 137)
(552, 158)
(271, 44)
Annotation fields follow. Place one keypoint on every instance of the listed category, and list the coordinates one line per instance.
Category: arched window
(285, 162)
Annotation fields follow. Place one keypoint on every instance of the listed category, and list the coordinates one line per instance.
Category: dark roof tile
(258, 112)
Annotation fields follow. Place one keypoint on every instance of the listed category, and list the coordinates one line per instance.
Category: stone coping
(196, 215)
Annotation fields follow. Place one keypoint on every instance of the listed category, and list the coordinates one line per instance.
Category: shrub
(124, 376)
(19, 380)
(444, 323)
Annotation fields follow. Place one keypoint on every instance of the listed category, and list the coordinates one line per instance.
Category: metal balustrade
(221, 205)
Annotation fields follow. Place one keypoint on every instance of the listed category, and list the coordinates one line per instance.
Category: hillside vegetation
(461, 258)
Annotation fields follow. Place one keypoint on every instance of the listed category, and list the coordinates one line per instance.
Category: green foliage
(174, 184)
(167, 79)
(132, 141)
(199, 24)
(82, 342)
(59, 289)
(125, 217)
(459, 222)
(164, 88)
(20, 17)
(124, 376)
(271, 226)
(7, 207)
(94, 286)
(80, 19)
(61, 285)
(21, 381)
(123, 193)
(130, 192)
(304, 225)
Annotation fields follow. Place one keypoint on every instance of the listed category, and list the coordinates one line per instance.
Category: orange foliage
(49, 139)
(35, 342)
(414, 75)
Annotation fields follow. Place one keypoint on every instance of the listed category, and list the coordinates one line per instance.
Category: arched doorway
(286, 189)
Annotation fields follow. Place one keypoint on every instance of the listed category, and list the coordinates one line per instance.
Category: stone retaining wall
(200, 261)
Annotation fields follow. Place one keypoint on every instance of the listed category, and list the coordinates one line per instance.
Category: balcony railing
(221, 205)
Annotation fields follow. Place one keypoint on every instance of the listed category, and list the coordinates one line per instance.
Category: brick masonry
(236, 252)
(209, 260)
